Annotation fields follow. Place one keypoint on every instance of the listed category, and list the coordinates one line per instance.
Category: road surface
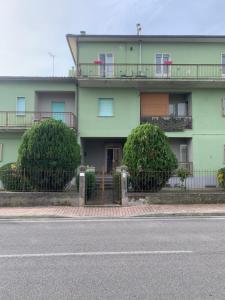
(143, 258)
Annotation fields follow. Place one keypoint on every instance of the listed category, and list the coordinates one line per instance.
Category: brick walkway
(139, 210)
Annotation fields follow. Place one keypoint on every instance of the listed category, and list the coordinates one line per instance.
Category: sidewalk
(130, 211)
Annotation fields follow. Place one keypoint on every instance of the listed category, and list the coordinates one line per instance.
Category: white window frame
(162, 74)
(224, 154)
(186, 147)
(99, 69)
(1, 152)
(101, 116)
(20, 113)
(222, 74)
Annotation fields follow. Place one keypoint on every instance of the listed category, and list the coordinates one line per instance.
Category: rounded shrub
(13, 179)
(49, 155)
(149, 158)
(221, 177)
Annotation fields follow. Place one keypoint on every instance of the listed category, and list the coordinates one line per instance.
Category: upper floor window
(20, 106)
(162, 69)
(105, 107)
(178, 109)
(223, 63)
(106, 66)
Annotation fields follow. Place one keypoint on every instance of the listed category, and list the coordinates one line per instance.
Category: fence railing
(152, 71)
(169, 123)
(13, 119)
(38, 180)
(164, 181)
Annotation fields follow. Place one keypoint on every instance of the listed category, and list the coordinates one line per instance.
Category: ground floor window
(1, 152)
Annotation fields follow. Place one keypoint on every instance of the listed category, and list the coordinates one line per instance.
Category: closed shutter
(154, 104)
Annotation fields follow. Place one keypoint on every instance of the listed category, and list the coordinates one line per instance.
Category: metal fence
(152, 181)
(37, 180)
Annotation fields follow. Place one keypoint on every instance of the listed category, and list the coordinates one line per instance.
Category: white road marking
(108, 219)
(100, 253)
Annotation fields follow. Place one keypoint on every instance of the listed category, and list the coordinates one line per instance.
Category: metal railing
(13, 119)
(169, 123)
(152, 71)
(165, 181)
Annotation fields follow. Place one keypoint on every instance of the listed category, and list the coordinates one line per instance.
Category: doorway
(113, 158)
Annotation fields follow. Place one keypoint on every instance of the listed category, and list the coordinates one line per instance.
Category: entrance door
(113, 158)
(58, 111)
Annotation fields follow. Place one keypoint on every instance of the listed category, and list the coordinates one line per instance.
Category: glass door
(58, 111)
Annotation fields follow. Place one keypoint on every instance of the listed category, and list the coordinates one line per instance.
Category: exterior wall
(44, 101)
(10, 90)
(181, 53)
(126, 112)
(11, 142)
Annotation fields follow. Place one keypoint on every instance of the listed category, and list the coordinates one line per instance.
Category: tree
(48, 155)
(149, 158)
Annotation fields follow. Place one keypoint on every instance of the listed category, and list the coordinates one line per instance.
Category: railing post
(82, 170)
(124, 198)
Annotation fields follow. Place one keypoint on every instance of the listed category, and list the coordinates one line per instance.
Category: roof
(37, 78)
(148, 38)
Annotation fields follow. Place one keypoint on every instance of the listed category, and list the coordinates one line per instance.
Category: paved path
(134, 258)
(138, 210)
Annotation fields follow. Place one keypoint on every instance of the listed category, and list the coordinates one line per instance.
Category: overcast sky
(29, 29)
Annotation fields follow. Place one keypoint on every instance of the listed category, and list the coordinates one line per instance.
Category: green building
(176, 82)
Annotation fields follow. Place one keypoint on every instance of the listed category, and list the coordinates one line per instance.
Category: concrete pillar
(82, 170)
(124, 198)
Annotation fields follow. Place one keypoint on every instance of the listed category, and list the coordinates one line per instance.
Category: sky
(30, 29)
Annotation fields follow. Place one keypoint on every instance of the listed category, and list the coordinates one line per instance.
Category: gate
(102, 189)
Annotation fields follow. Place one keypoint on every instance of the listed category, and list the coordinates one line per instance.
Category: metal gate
(102, 189)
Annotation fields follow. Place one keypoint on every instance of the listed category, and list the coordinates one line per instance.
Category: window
(223, 63)
(1, 152)
(105, 107)
(20, 106)
(161, 68)
(178, 109)
(184, 153)
(223, 107)
(106, 68)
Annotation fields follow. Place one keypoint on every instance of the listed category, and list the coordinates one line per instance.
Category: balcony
(152, 71)
(169, 123)
(11, 120)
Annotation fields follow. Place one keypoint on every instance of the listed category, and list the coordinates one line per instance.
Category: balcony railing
(12, 119)
(169, 123)
(152, 71)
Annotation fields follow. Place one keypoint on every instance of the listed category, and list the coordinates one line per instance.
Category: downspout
(140, 57)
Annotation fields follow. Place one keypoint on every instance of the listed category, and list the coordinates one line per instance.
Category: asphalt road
(174, 258)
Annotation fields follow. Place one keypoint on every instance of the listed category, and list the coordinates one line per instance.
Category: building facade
(175, 82)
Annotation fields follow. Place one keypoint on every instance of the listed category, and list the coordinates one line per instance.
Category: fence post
(124, 198)
(82, 185)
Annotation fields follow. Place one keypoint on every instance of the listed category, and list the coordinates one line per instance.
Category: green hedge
(13, 179)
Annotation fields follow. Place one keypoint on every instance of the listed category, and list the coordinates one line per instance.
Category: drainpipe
(140, 57)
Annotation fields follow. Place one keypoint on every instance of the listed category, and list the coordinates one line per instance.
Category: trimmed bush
(149, 158)
(49, 155)
(12, 178)
(90, 184)
(221, 177)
